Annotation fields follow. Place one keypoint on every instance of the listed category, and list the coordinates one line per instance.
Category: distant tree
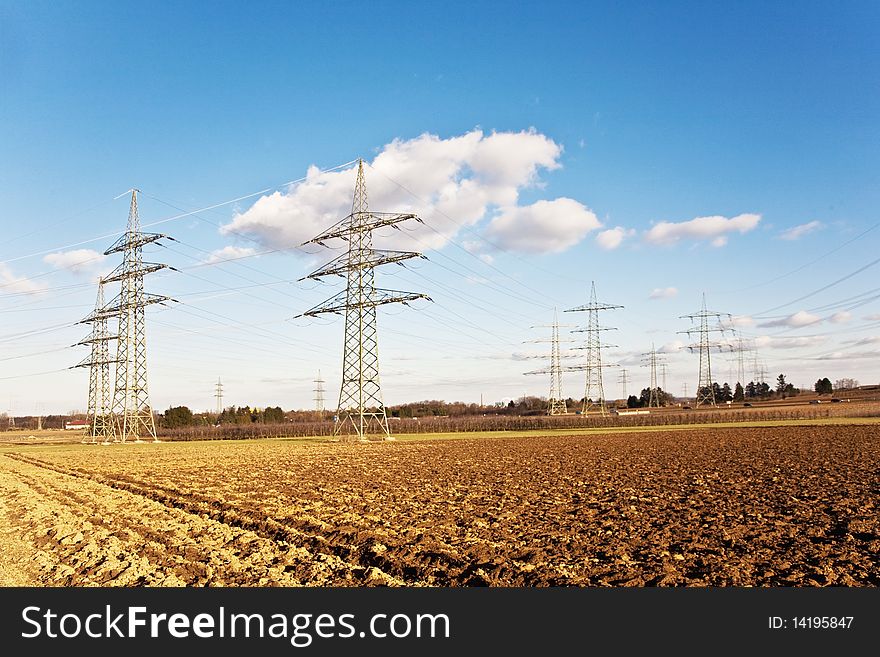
(790, 390)
(845, 384)
(824, 387)
(780, 385)
(738, 392)
(764, 390)
(178, 416)
(633, 402)
(751, 389)
(273, 415)
(726, 394)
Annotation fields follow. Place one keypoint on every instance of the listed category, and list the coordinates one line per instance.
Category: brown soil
(792, 506)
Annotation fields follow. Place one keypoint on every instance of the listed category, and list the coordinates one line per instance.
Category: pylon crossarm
(357, 222)
(129, 241)
(121, 272)
(367, 259)
(340, 302)
(118, 306)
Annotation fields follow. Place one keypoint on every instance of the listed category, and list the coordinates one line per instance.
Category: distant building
(76, 424)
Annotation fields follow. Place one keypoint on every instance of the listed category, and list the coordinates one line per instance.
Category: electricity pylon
(319, 395)
(705, 393)
(623, 379)
(664, 371)
(131, 401)
(652, 359)
(360, 397)
(593, 366)
(101, 425)
(556, 401)
(740, 346)
(218, 393)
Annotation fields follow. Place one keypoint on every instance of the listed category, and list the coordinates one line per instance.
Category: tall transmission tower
(131, 400)
(102, 428)
(319, 395)
(594, 393)
(623, 379)
(652, 359)
(684, 389)
(705, 393)
(664, 371)
(360, 397)
(218, 394)
(556, 400)
(740, 346)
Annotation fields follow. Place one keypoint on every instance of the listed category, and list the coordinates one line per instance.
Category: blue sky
(580, 142)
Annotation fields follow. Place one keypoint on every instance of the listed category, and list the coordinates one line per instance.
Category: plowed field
(787, 506)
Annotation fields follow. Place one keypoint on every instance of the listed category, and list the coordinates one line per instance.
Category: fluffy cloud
(12, 284)
(613, 237)
(451, 183)
(766, 341)
(543, 227)
(872, 318)
(663, 293)
(77, 260)
(798, 232)
(229, 253)
(800, 318)
(671, 347)
(840, 318)
(715, 229)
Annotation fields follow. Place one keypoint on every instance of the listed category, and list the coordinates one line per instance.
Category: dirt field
(783, 506)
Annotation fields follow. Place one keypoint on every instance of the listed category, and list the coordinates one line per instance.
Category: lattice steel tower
(319, 395)
(101, 425)
(131, 402)
(360, 397)
(593, 348)
(705, 393)
(556, 401)
(623, 379)
(218, 394)
(652, 359)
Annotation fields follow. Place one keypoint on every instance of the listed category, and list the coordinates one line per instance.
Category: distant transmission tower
(623, 379)
(684, 389)
(360, 396)
(319, 395)
(100, 416)
(705, 393)
(594, 393)
(218, 393)
(651, 359)
(664, 370)
(556, 401)
(131, 400)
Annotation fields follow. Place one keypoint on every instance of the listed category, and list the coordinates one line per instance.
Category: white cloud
(229, 253)
(77, 260)
(715, 228)
(543, 227)
(799, 231)
(851, 355)
(613, 237)
(840, 318)
(872, 318)
(450, 183)
(800, 318)
(672, 347)
(12, 284)
(766, 341)
(663, 293)
(871, 339)
(741, 320)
